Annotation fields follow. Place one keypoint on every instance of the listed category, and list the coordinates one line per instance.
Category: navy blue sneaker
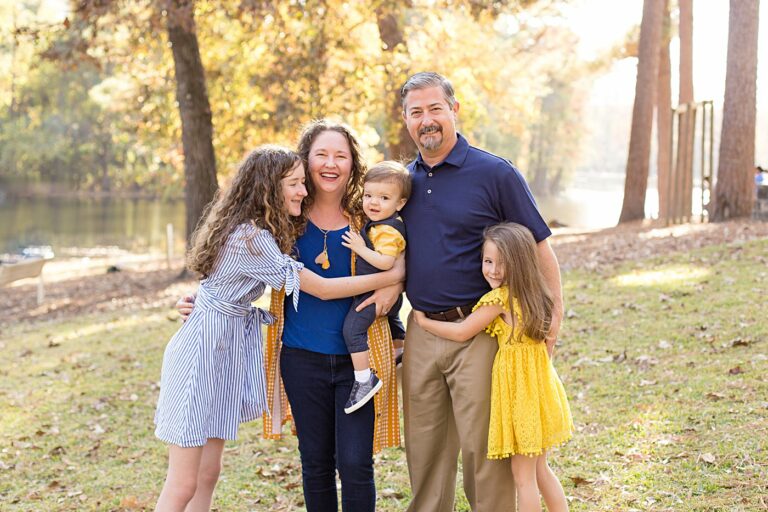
(362, 392)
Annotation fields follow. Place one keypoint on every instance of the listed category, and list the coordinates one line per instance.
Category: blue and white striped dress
(213, 371)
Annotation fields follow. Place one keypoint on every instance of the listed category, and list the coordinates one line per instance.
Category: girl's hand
(353, 241)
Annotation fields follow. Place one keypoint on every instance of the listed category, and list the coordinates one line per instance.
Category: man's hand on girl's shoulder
(185, 305)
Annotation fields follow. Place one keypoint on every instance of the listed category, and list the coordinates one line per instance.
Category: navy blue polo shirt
(450, 206)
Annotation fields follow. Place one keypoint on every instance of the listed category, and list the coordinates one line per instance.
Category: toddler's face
(381, 199)
(493, 266)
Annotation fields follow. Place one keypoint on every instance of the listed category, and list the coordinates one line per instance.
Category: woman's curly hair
(351, 202)
(255, 196)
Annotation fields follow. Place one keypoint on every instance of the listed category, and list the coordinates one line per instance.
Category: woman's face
(330, 163)
(294, 190)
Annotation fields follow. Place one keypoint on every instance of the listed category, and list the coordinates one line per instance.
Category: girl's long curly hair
(523, 276)
(255, 196)
(351, 202)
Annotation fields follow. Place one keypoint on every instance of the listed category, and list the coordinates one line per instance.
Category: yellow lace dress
(529, 409)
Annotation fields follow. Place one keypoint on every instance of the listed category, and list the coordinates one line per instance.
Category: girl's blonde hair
(255, 196)
(523, 277)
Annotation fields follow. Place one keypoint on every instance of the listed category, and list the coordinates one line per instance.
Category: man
(458, 191)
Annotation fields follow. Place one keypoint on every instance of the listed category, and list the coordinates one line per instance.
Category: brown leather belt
(451, 315)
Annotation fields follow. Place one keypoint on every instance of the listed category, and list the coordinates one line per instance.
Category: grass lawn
(664, 360)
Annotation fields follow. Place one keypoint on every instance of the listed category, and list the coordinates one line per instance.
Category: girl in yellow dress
(529, 409)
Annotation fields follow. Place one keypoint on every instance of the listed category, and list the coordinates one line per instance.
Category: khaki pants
(447, 404)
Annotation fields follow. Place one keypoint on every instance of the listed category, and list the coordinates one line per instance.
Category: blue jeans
(318, 386)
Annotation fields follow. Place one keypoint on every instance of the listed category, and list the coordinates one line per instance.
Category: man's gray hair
(425, 79)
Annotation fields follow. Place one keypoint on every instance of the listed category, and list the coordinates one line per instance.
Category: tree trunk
(399, 145)
(196, 126)
(686, 52)
(685, 97)
(636, 181)
(664, 118)
(554, 184)
(541, 164)
(105, 157)
(734, 188)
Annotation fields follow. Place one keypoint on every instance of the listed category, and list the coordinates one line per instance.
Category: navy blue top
(450, 206)
(317, 325)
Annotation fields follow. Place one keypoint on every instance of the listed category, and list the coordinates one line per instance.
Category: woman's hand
(419, 317)
(353, 241)
(185, 305)
(384, 298)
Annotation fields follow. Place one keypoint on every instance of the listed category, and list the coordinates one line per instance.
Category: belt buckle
(450, 315)
(437, 315)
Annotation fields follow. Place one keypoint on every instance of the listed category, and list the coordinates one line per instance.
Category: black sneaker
(399, 360)
(362, 392)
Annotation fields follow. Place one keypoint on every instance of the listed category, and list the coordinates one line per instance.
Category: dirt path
(146, 283)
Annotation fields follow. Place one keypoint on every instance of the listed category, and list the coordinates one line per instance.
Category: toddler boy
(386, 188)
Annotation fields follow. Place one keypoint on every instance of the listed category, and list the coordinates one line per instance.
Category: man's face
(431, 122)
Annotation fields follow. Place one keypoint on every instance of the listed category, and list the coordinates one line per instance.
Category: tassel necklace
(322, 258)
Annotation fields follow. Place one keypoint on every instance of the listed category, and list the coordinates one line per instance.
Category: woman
(306, 358)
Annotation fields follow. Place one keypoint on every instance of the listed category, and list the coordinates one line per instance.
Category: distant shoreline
(58, 192)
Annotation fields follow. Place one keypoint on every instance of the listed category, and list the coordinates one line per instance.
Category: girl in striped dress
(213, 375)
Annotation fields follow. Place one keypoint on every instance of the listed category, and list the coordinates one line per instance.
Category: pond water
(140, 224)
(136, 225)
